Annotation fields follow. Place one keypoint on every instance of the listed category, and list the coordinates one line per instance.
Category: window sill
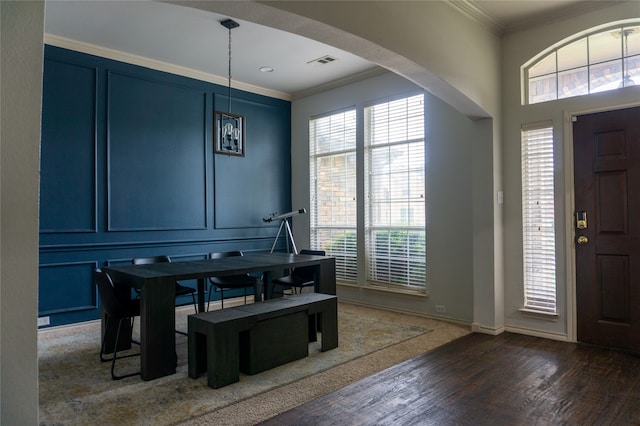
(394, 290)
(548, 316)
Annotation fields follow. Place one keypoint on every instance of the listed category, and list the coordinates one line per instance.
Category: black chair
(116, 308)
(244, 281)
(300, 277)
(181, 290)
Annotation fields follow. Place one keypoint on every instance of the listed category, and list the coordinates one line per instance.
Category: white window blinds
(538, 219)
(395, 209)
(333, 207)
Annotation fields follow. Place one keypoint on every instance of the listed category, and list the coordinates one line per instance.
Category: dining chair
(300, 277)
(243, 281)
(116, 309)
(181, 290)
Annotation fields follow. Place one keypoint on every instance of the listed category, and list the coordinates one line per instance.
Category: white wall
(423, 35)
(517, 49)
(450, 137)
(416, 40)
(423, 32)
(21, 35)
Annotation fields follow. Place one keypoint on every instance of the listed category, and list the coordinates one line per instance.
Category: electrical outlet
(43, 321)
(441, 309)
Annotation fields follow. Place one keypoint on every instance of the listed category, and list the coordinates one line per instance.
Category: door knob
(582, 239)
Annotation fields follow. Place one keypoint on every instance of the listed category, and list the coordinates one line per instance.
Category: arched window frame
(628, 62)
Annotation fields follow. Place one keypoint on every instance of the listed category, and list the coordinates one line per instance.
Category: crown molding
(470, 10)
(559, 14)
(117, 55)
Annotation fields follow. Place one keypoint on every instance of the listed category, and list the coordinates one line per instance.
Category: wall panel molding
(253, 180)
(57, 248)
(69, 286)
(156, 155)
(68, 201)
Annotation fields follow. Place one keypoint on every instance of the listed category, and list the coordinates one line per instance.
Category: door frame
(570, 231)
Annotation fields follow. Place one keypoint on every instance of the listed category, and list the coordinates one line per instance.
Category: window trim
(368, 148)
(361, 281)
(313, 225)
(524, 69)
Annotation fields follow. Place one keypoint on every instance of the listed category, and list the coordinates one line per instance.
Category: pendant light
(229, 126)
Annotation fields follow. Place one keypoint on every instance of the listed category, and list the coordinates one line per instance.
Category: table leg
(266, 283)
(200, 294)
(325, 279)
(157, 328)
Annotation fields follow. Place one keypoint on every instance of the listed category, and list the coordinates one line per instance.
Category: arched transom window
(602, 60)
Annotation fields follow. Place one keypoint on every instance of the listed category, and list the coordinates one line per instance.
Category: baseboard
(477, 328)
(407, 312)
(67, 326)
(536, 333)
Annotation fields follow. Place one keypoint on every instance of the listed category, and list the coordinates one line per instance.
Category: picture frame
(229, 134)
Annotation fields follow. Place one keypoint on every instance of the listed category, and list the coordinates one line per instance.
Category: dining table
(156, 285)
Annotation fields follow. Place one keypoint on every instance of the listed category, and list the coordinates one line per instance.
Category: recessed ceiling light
(266, 69)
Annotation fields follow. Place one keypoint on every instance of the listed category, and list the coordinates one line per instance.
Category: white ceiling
(195, 40)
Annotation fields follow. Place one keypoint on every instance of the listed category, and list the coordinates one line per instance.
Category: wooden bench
(259, 336)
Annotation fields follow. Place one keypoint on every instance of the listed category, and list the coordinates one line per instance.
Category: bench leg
(329, 324)
(197, 354)
(313, 328)
(223, 360)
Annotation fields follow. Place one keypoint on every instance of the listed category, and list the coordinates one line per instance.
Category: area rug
(75, 388)
(252, 411)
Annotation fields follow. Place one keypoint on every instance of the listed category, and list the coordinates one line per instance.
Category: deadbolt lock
(582, 239)
(581, 220)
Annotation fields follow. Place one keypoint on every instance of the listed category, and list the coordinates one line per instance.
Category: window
(384, 234)
(395, 208)
(601, 61)
(538, 219)
(333, 209)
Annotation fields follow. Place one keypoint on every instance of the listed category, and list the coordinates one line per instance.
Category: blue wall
(128, 170)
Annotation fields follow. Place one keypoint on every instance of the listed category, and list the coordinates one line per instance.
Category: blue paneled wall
(128, 170)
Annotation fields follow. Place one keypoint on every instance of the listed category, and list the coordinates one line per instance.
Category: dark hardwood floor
(479, 379)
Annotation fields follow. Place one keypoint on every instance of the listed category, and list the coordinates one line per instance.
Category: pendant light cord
(229, 24)
(229, 90)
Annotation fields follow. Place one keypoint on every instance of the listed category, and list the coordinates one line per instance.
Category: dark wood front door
(607, 188)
